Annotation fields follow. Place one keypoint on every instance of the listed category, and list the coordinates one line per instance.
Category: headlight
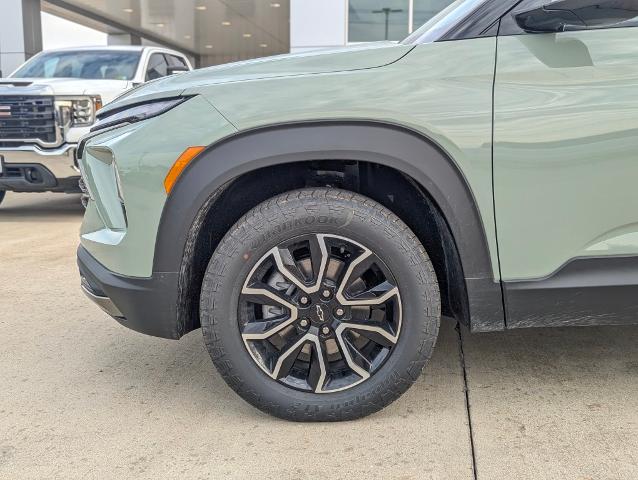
(136, 113)
(78, 111)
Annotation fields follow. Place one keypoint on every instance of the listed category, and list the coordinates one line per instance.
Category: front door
(566, 173)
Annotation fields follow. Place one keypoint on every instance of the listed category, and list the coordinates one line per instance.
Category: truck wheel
(320, 305)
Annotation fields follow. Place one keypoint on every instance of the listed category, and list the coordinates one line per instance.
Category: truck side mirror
(565, 15)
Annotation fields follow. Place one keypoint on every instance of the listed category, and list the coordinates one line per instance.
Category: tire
(324, 379)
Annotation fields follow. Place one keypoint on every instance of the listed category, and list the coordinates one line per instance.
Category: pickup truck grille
(24, 118)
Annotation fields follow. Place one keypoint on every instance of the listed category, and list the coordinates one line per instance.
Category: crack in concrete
(467, 401)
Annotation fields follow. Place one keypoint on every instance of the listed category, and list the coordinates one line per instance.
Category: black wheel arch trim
(404, 149)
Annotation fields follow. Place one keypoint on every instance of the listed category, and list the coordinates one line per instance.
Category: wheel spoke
(347, 352)
(319, 257)
(378, 335)
(265, 295)
(345, 280)
(266, 328)
(289, 355)
(373, 332)
(288, 268)
(318, 366)
(376, 295)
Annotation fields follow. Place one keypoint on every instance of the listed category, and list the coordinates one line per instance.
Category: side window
(568, 15)
(157, 67)
(175, 61)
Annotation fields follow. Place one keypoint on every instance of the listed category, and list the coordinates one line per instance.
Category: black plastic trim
(482, 22)
(149, 305)
(103, 116)
(585, 291)
(14, 179)
(375, 142)
(510, 27)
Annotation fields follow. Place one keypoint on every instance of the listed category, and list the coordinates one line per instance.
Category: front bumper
(27, 168)
(146, 305)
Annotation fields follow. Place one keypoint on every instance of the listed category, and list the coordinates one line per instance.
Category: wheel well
(396, 191)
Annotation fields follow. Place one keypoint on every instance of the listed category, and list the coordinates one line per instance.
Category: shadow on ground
(40, 207)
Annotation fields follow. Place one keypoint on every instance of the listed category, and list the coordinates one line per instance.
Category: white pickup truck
(51, 100)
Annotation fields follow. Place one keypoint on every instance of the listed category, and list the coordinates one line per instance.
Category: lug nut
(325, 330)
(304, 322)
(339, 312)
(304, 300)
(326, 294)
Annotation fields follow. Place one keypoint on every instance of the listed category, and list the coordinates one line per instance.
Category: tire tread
(367, 210)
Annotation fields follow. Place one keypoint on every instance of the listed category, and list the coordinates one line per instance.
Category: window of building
(424, 10)
(375, 20)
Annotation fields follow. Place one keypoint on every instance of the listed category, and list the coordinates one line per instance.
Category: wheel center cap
(320, 314)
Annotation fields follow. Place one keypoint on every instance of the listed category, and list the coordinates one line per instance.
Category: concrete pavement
(555, 403)
(83, 397)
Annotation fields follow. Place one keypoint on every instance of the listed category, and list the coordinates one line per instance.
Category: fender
(374, 142)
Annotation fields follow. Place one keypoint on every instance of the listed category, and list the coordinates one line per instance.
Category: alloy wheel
(320, 313)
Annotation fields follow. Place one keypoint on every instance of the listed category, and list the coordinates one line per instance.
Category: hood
(107, 89)
(358, 57)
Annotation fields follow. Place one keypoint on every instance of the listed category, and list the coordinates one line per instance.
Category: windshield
(102, 65)
(438, 25)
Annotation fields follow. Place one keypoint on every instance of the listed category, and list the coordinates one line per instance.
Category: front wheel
(320, 305)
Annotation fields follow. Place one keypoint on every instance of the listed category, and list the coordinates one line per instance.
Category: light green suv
(316, 214)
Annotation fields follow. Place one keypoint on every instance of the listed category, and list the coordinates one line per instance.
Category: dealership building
(216, 31)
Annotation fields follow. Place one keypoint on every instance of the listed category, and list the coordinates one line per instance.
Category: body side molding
(584, 292)
(394, 146)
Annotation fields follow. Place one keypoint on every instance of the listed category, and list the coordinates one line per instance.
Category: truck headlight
(78, 111)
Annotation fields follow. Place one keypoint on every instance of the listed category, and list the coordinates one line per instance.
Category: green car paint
(493, 165)
(564, 127)
(358, 57)
(144, 152)
(566, 137)
(443, 90)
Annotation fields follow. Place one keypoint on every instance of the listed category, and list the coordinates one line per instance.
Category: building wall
(335, 23)
(61, 33)
(317, 24)
(20, 33)
(313, 24)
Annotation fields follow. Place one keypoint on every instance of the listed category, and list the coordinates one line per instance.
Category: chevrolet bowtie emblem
(320, 312)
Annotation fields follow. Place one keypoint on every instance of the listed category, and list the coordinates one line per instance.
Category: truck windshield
(440, 24)
(103, 65)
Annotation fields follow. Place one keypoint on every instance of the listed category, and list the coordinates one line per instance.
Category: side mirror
(177, 69)
(565, 15)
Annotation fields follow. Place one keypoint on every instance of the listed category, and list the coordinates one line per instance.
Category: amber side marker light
(178, 167)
